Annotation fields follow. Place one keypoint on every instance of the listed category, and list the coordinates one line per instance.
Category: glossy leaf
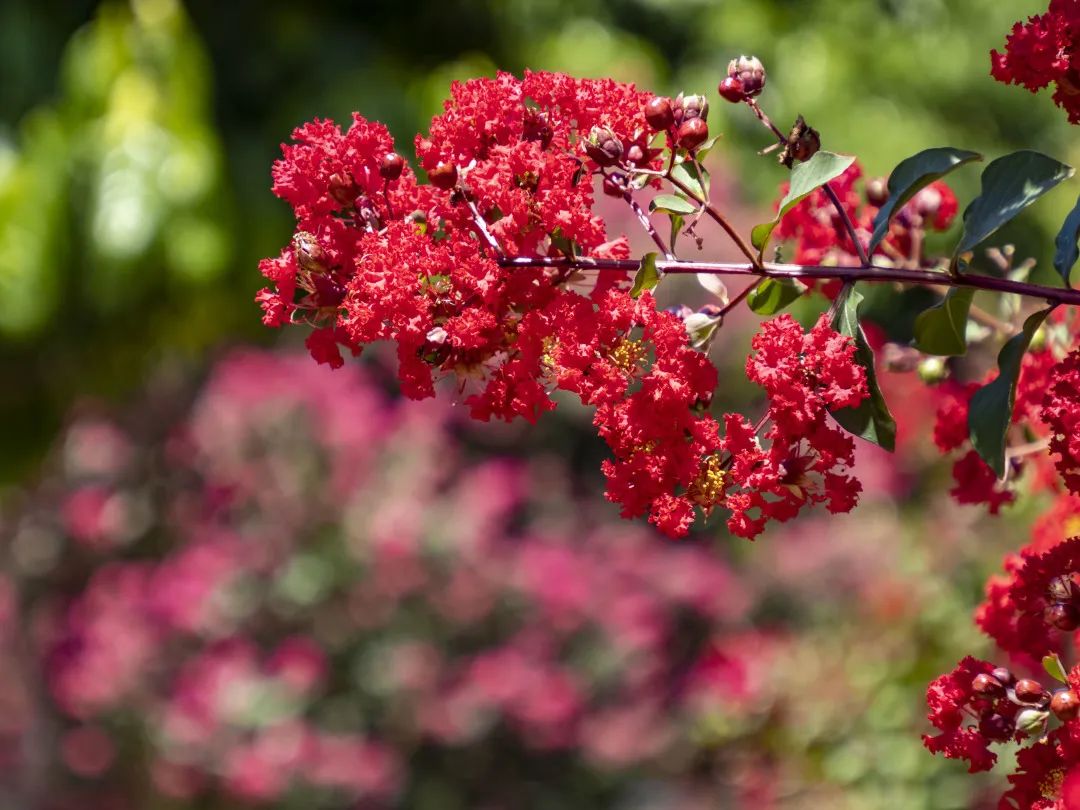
(671, 204)
(911, 176)
(1066, 251)
(991, 406)
(690, 175)
(942, 328)
(871, 420)
(1054, 668)
(805, 178)
(647, 276)
(773, 294)
(1009, 185)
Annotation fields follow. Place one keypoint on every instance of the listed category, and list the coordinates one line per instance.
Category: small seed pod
(1030, 691)
(612, 186)
(309, 253)
(987, 686)
(444, 176)
(933, 370)
(1004, 676)
(1062, 615)
(1060, 589)
(693, 133)
(750, 74)
(603, 147)
(1065, 705)
(731, 90)
(391, 166)
(634, 154)
(1031, 721)
(996, 727)
(343, 188)
(658, 113)
(687, 107)
(877, 192)
(328, 293)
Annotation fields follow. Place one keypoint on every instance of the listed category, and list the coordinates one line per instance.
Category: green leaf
(773, 294)
(677, 223)
(690, 175)
(1066, 251)
(705, 148)
(805, 178)
(871, 420)
(647, 275)
(1052, 665)
(992, 405)
(1009, 185)
(671, 204)
(942, 328)
(912, 175)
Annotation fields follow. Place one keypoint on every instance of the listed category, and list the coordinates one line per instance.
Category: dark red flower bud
(749, 72)
(877, 192)
(731, 90)
(1030, 691)
(604, 147)
(693, 133)
(1004, 676)
(328, 293)
(987, 686)
(1065, 705)
(343, 188)
(391, 166)
(997, 728)
(309, 253)
(536, 126)
(658, 113)
(1063, 616)
(443, 176)
(686, 107)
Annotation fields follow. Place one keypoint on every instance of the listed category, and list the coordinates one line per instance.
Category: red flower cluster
(814, 225)
(1042, 51)
(511, 162)
(805, 375)
(1061, 413)
(954, 704)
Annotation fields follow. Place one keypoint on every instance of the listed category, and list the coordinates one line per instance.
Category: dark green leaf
(871, 420)
(1053, 666)
(992, 405)
(942, 329)
(689, 174)
(1065, 247)
(647, 276)
(805, 177)
(910, 176)
(773, 294)
(1009, 185)
(670, 204)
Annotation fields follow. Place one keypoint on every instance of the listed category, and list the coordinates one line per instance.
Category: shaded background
(135, 146)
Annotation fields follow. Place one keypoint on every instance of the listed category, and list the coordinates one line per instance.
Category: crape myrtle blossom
(377, 256)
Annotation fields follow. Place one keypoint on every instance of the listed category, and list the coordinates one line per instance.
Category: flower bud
(1004, 676)
(309, 253)
(933, 370)
(343, 188)
(328, 293)
(731, 90)
(1062, 615)
(536, 126)
(658, 113)
(749, 72)
(693, 132)
(877, 192)
(997, 728)
(1030, 691)
(603, 147)
(927, 202)
(987, 686)
(391, 166)
(635, 154)
(612, 186)
(1065, 705)
(899, 358)
(444, 176)
(687, 107)
(1031, 721)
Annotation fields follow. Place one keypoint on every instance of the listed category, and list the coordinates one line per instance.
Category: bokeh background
(232, 579)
